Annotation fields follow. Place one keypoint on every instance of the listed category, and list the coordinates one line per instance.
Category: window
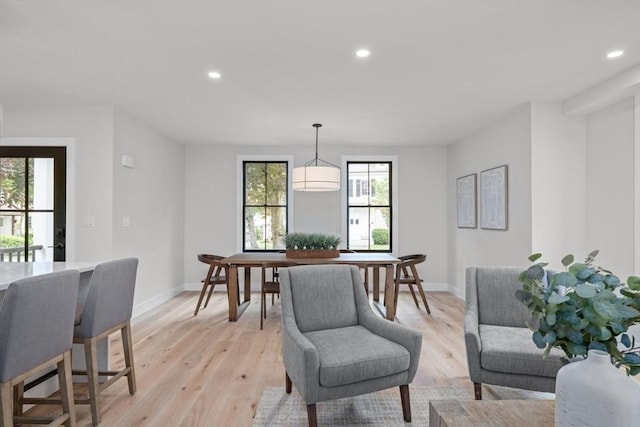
(369, 213)
(265, 205)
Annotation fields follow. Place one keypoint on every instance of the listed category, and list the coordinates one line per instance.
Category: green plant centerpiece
(312, 245)
(582, 308)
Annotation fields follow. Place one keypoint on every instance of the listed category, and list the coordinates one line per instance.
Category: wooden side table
(491, 413)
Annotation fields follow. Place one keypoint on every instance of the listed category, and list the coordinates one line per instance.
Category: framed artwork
(493, 198)
(466, 196)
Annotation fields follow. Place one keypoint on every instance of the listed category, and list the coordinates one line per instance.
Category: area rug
(277, 408)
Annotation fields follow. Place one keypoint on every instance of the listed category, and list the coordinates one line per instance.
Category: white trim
(70, 143)
(267, 158)
(636, 168)
(394, 192)
(603, 94)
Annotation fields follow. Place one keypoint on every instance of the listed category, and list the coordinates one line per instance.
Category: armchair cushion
(346, 355)
(511, 350)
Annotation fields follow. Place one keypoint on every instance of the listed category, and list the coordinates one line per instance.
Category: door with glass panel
(32, 204)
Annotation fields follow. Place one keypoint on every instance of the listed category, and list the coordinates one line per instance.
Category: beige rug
(276, 408)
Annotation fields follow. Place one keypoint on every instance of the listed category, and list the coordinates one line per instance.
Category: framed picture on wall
(466, 197)
(493, 198)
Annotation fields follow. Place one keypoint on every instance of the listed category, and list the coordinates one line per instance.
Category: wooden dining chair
(270, 284)
(216, 275)
(407, 274)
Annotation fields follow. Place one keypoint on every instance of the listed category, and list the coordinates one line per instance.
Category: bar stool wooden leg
(6, 413)
(127, 345)
(18, 396)
(93, 379)
(66, 388)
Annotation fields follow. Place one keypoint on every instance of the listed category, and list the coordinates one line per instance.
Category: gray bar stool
(107, 310)
(36, 329)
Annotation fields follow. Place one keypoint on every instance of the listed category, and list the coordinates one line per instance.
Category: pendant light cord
(317, 127)
(314, 161)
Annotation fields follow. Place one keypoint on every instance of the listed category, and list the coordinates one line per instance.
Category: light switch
(126, 221)
(128, 161)
(89, 221)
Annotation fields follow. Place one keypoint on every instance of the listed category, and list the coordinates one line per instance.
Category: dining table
(365, 260)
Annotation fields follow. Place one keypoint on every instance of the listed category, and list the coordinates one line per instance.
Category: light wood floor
(205, 371)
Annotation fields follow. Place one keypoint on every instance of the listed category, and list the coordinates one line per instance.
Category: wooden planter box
(313, 253)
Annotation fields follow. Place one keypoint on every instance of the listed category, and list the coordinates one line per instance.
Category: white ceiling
(438, 69)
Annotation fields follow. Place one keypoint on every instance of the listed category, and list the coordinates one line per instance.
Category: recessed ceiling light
(615, 54)
(362, 53)
(214, 75)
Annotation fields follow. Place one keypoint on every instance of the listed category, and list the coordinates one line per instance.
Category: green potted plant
(586, 312)
(583, 308)
(312, 245)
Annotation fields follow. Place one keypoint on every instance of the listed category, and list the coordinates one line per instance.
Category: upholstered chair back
(496, 292)
(36, 321)
(320, 298)
(110, 298)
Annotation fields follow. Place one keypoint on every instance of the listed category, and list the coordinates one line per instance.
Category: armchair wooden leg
(287, 382)
(406, 404)
(477, 390)
(311, 415)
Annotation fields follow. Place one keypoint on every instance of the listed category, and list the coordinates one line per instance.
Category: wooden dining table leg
(376, 283)
(232, 293)
(247, 284)
(389, 292)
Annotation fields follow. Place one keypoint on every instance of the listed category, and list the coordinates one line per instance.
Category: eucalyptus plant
(582, 308)
(311, 241)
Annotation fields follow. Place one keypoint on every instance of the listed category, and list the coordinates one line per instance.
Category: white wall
(558, 190)
(151, 196)
(610, 186)
(506, 142)
(211, 213)
(92, 129)
(571, 189)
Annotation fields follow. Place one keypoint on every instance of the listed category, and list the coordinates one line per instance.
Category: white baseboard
(193, 286)
(457, 291)
(149, 304)
(435, 286)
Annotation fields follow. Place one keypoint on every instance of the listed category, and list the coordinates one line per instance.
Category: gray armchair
(500, 350)
(334, 346)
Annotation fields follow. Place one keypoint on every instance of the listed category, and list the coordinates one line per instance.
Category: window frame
(393, 198)
(240, 191)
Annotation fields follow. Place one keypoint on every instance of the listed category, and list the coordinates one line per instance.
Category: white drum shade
(316, 178)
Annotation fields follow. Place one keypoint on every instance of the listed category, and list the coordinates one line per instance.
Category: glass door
(32, 203)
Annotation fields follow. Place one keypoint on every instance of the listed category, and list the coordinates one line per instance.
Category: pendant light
(312, 177)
